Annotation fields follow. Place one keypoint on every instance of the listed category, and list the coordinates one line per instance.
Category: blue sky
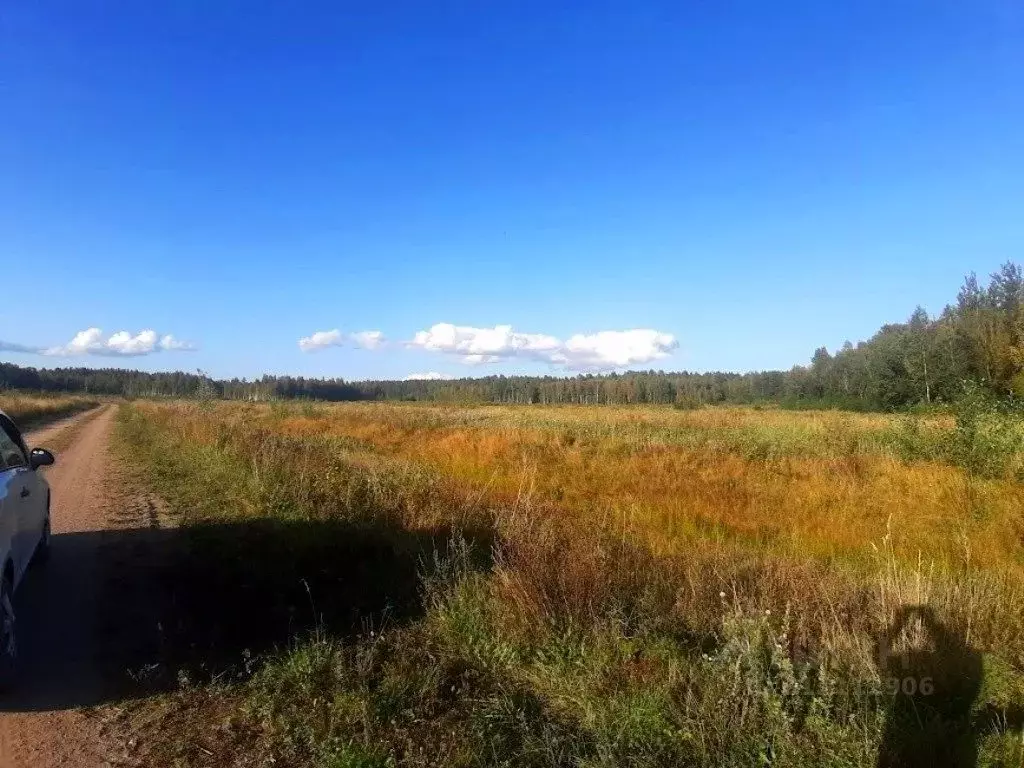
(744, 181)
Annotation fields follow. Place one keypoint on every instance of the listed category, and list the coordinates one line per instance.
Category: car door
(9, 501)
(19, 499)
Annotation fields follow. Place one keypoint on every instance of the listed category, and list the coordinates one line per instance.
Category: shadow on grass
(932, 720)
(123, 613)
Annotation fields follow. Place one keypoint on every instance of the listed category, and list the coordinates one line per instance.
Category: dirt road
(45, 722)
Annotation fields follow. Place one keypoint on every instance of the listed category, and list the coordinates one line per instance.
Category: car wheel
(42, 553)
(8, 638)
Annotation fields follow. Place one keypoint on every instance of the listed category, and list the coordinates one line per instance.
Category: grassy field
(30, 410)
(383, 584)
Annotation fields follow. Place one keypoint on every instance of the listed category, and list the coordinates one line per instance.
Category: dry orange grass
(28, 409)
(649, 511)
(820, 483)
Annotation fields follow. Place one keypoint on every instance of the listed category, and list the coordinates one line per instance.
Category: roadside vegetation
(385, 584)
(32, 410)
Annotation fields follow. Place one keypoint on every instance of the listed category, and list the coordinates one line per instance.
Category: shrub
(988, 440)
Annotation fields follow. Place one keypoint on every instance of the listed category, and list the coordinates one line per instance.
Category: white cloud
(616, 349)
(604, 350)
(85, 341)
(368, 339)
(429, 376)
(335, 338)
(170, 343)
(485, 345)
(321, 340)
(121, 344)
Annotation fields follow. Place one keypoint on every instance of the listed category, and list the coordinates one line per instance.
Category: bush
(988, 440)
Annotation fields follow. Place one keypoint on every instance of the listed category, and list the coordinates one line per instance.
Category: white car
(24, 526)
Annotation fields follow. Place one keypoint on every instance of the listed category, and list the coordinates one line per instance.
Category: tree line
(924, 360)
(980, 339)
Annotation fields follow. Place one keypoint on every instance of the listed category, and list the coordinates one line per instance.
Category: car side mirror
(40, 457)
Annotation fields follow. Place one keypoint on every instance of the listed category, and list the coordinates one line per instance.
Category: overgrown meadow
(377, 584)
(29, 410)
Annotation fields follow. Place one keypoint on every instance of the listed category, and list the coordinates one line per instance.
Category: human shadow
(932, 720)
(122, 613)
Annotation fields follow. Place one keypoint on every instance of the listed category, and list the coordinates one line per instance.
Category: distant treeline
(633, 387)
(924, 360)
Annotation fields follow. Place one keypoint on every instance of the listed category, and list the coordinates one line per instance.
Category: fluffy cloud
(599, 351)
(321, 340)
(123, 343)
(368, 339)
(486, 345)
(92, 342)
(335, 338)
(616, 349)
(429, 376)
(171, 344)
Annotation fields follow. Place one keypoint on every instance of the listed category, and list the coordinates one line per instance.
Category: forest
(924, 360)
